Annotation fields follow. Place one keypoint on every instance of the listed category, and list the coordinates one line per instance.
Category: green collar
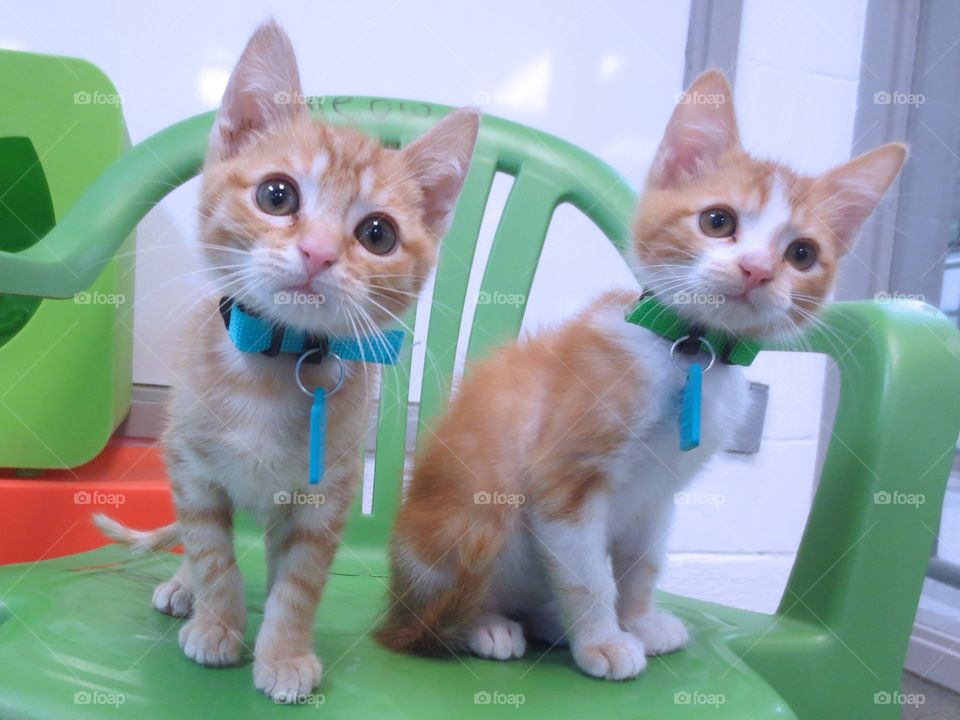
(652, 314)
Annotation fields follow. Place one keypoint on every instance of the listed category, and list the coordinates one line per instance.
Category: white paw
(287, 679)
(616, 658)
(494, 636)
(659, 631)
(209, 642)
(173, 598)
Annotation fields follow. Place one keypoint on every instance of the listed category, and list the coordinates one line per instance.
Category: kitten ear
(263, 90)
(439, 161)
(845, 196)
(703, 126)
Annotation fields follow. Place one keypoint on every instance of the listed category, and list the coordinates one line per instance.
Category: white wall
(602, 75)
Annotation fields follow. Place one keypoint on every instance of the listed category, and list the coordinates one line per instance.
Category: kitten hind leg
(497, 637)
(175, 596)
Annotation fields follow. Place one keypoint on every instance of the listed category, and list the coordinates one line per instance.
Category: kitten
(541, 503)
(347, 229)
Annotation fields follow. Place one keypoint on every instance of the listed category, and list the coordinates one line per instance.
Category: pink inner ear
(686, 150)
(689, 148)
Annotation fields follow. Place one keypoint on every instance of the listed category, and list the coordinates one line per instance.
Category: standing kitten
(309, 227)
(542, 501)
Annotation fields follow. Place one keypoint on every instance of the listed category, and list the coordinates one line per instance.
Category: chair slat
(389, 452)
(450, 289)
(513, 261)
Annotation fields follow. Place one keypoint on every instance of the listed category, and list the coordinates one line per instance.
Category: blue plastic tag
(318, 435)
(690, 408)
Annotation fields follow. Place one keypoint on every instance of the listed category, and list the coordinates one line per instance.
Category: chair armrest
(71, 256)
(865, 549)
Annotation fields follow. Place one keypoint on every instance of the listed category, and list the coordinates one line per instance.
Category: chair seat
(79, 632)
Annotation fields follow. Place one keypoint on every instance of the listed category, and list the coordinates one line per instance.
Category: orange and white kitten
(285, 208)
(542, 501)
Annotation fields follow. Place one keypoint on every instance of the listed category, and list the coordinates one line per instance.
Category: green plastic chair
(80, 630)
(66, 364)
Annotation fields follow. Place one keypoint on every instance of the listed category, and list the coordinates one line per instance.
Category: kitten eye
(377, 234)
(802, 254)
(718, 222)
(278, 196)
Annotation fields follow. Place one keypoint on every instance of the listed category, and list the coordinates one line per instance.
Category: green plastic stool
(80, 630)
(65, 364)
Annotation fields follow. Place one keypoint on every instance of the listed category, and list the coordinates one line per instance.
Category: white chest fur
(650, 461)
(253, 443)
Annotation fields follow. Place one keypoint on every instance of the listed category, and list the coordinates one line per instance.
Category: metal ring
(303, 387)
(703, 342)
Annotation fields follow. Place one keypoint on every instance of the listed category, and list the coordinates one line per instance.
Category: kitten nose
(755, 273)
(318, 254)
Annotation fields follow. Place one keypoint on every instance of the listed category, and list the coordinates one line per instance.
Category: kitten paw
(286, 680)
(173, 598)
(659, 631)
(620, 657)
(209, 642)
(497, 637)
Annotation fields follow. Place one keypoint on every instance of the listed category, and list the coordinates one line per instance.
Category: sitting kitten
(290, 208)
(543, 498)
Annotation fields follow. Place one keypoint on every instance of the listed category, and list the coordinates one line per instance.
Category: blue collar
(253, 334)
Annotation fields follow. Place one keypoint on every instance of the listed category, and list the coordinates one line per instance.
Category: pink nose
(318, 255)
(754, 273)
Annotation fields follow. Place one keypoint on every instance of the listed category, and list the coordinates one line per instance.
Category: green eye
(718, 222)
(278, 196)
(802, 254)
(377, 234)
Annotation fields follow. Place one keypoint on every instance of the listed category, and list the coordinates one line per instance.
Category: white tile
(748, 503)
(751, 582)
(801, 119)
(809, 36)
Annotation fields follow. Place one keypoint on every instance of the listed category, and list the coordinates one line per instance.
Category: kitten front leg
(301, 547)
(576, 558)
(214, 634)
(636, 566)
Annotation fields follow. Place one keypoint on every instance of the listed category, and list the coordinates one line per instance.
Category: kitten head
(742, 244)
(321, 227)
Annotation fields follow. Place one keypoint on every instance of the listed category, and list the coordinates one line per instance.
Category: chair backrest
(547, 172)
